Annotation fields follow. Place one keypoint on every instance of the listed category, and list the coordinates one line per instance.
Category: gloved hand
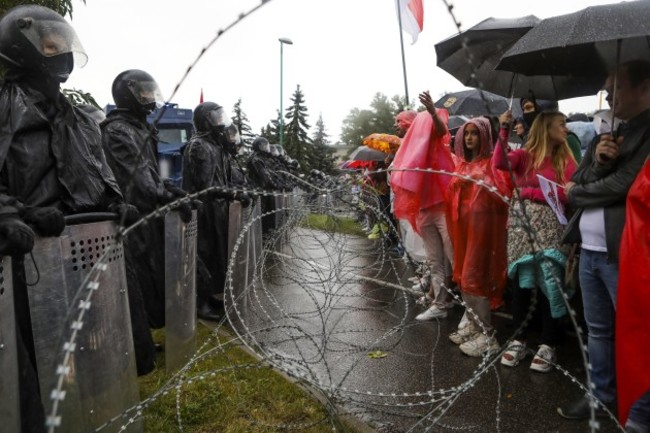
(245, 200)
(197, 204)
(127, 213)
(47, 221)
(178, 192)
(16, 237)
(184, 210)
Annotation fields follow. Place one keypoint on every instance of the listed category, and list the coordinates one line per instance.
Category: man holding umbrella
(598, 190)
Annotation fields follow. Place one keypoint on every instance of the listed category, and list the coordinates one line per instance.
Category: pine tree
(296, 139)
(322, 156)
(272, 130)
(241, 122)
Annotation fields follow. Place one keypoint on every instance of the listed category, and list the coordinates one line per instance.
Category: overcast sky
(344, 51)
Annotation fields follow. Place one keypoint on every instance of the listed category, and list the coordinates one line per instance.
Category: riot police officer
(206, 164)
(51, 159)
(131, 144)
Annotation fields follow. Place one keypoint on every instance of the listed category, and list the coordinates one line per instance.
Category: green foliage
(322, 156)
(241, 122)
(296, 139)
(330, 223)
(63, 7)
(379, 118)
(272, 130)
(229, 390)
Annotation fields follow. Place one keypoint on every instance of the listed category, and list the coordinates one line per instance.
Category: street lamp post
(282, 42)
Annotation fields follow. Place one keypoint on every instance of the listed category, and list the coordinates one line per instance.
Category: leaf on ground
(377, 354)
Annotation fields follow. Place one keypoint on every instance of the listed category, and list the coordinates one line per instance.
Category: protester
(598, 191)
(206, 164)
(477, 219)
(51, 158)
(633, 305)
(419, 196)
(536, 262)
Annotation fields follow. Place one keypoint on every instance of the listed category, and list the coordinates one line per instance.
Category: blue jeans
(598, 281)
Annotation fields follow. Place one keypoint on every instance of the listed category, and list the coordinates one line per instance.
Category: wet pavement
(337, 313)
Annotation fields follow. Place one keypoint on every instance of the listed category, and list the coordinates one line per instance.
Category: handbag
(571, 234)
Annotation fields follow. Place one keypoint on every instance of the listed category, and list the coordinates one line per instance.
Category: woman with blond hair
(545, 153)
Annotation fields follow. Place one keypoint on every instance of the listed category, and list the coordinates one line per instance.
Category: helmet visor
(146, 92)
(219, 117)
(52, 38)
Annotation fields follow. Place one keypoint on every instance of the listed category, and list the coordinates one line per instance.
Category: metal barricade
(100, 379)
(9, 395)
(180, 290)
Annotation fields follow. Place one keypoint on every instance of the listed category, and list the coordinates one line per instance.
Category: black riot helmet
(210, 117)
(274, 150)
(39, 41)
(137, 91)
(261, 144)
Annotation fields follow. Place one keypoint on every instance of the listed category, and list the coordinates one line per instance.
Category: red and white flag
(412, 14)
(549, 189)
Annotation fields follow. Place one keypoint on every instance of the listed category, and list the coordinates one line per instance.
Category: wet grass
(331, 223)
(230, 391)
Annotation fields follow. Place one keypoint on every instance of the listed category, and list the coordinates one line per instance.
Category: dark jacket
(260, 171)
(51, 154)
(130, 145)
(607, 185)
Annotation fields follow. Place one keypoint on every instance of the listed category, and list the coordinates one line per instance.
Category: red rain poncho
(416, 190)
(476, 220)
(633, 298)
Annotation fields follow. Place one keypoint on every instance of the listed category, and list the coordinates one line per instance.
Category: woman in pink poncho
(476, 219)
(419, 196)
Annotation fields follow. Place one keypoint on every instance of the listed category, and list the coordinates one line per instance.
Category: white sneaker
(515, 352)
(463, 334)
(433, 312)
(543, 360)
(424, 300)
(479, 345)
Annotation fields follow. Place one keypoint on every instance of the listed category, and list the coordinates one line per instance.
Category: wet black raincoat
(130, 144)
(50, 155)
(206, 164)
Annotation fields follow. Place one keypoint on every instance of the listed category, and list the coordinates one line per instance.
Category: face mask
(59, 67)
(530, 117)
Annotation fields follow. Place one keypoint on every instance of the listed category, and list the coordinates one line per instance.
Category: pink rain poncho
(476, 219)
(415, 190)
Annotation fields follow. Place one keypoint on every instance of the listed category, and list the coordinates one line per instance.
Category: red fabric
(405, 119)
(415, 190)
(633, 298)
(476, 220)
(412, 15)
(527, 180)
(201, 96)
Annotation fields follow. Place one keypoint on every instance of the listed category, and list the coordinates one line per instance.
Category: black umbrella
(471, 57)
(589, 42)
(474, 103)
(364, 153)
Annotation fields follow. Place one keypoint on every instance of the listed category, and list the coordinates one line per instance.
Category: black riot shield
(9, 396)
(180, 290)
(82, 329)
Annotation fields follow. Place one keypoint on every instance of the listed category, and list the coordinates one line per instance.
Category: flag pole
(401, 42)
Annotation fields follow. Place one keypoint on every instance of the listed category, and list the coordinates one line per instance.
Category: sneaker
(579, 409)
(433, 312)
(515, 352)
(375, 229)
(374, 235)
(479, 345)
(463, 334)
(424, 300)
(543, 360)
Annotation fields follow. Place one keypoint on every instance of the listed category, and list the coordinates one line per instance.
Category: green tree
(63, 7)
(296, 139)
(272, 130)
(241, 122)
(380, 117)
(322, 155)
